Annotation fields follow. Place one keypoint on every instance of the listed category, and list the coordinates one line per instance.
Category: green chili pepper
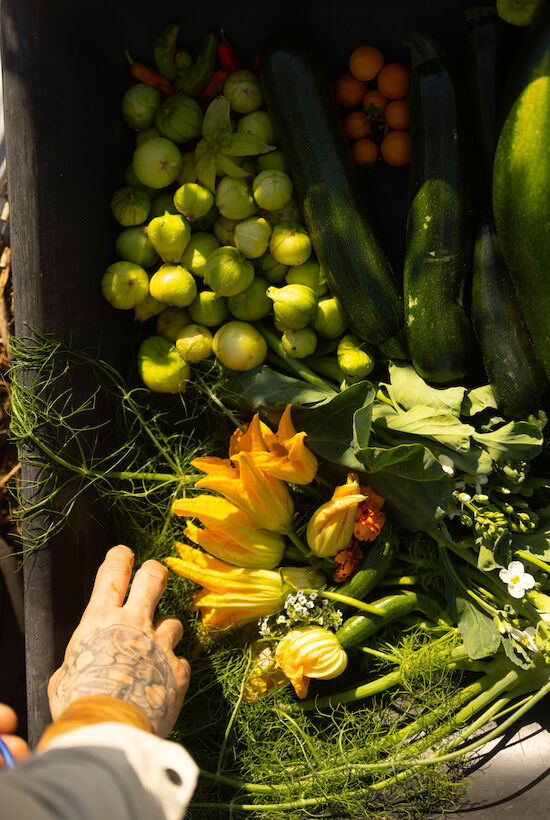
(192, 80)
(164, 51)
(183, 61)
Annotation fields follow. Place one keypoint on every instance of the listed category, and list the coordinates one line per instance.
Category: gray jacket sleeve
(105, 770)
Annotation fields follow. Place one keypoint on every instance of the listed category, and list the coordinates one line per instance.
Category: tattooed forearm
(122, 662)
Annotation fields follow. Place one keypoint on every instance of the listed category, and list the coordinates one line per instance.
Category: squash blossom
(282, 454)
(310, 652)
(370, 517)
(264, 498)
(330, 528)
(229, 534)
(230, 595)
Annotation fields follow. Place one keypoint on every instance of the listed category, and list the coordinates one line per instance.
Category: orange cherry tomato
(393, 80)
(349, 90)
(376, 99)
(356, 125)
(397, 114)
(365, 62)
(364, 152)
(396, 148)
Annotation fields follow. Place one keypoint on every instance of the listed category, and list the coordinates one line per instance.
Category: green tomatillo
(161, 367)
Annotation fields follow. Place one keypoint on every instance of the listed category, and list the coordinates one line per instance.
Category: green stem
(532, 559)
(354, 602)
(460, 583)
(304, 551)
(233, 716)
(297, 366)
(368, 650)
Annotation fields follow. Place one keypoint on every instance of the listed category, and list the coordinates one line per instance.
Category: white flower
(526, 637)
(447, 464)
(517, 579)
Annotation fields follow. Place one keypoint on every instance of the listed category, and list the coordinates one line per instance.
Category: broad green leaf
(494, 555)
(412, 505)
(478, 399)
(409, 390)
(515, 441)
(362, 422)
(246, 145)
(428, 422)
(412, 461)
(479, 631)
(228, 167)
(264, 387)
(330, 427)
(217, 117)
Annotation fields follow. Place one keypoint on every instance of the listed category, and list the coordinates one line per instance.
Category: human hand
(116, 650)
(8, 725)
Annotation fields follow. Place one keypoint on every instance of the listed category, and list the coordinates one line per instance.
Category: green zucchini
(439, 233)
(521, 180)
(510, 360)
(300, 100)
(359, 628)
(375, 565)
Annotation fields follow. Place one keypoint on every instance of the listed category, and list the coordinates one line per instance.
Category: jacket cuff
(95, 709)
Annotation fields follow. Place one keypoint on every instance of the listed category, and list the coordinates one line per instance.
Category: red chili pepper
(227, 56)
(146, 75)
(214, 87)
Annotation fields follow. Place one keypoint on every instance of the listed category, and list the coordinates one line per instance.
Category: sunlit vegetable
(299, 343)
(272, 189)
(234, 198)
(139, 106)
(293, 305)
(290, 243)
(329, 320)
(208, 309)
(251, 304)
(169, 235)
(173, 285)
(227, 272)
(198, 250)
(161, 367)
(252, 236)
(157, 162)
(133, 245)
(194, 343)
(353, 360)
(310, 274)
(239, 346)
(130, 206)
(124, 284)
(193, 200)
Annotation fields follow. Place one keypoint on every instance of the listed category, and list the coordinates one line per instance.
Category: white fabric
(149, 756)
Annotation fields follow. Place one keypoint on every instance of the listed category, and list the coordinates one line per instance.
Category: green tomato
(293, 305)
(179, 118)
(193, 200)
(239, 346)
(169, 234)
(148, 308)
(130, 206)
(227, 272)
(251, 304)
(157, 162)
(124, 285)
(173, 285)
(133, 245)
(330, 320)
(161, 367)
(299, 343)
(171, 322)
(197, 252)
(272, 190)
(252, 236)
(290, 243)
(208, 309)
(194, 343)
(242, 89)
(234, 198)
(139, 106)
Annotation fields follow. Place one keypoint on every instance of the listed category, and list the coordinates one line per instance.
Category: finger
(168, 631)
(185, 675)
(8, 718)
(146, 591)
(17, 746)
(112, 579)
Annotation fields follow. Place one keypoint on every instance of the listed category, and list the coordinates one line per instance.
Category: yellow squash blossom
(231, 595)
(264, 498)
(283, 454)
(330, 528)
(310, 652)
(240, 545)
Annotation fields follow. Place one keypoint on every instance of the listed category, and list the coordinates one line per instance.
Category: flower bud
(330, 528)
(310, 652)
(293, 305)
